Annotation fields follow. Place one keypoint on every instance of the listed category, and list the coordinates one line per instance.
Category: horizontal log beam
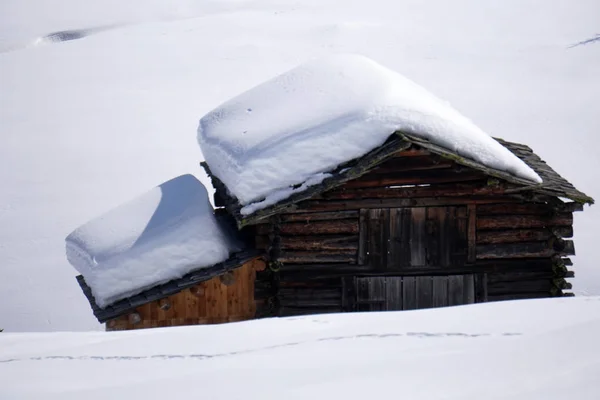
(306, 257)
(414, 192)
(356, 204)
(522, 235)
(522, 250)
(338, 242)
(295, 294)
(497, 277)
(512, 209)
(518, 296)
(414, 178)
(413, 152)
(411, 164)
(318, 216)
(312, 228)
(524, 221)
(542, 285)
(289, 311)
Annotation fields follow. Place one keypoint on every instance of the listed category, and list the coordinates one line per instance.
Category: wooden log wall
(517, 241)
(227, 298)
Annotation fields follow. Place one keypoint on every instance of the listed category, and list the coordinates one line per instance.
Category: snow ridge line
(248, 351)
(587, 41)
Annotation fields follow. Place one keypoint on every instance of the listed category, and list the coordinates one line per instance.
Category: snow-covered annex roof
(157, 244)
(329, 121)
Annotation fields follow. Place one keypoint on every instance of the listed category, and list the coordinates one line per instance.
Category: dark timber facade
(412, 225)
(409, 225)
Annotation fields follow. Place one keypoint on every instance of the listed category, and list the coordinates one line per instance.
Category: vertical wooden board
(409, 293)
(472, 233)
(424, 288)
(469, 289)
(393, 293)
(384, 237)
(440, 291)
(399, 243)
(434, 235)
(481, 289)
(202, 302)
(393, 239)
(418, 237)
(375, 248)
(232, 293)
(349, 295)
(377, 293)
(447, 233)
(211, 293)
(191, 303)
(363, 235)
(257, 265)
(455, 290)
(222, 302)
(459, 235)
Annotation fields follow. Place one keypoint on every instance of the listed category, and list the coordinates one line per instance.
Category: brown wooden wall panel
(209, 302)
(401, 238)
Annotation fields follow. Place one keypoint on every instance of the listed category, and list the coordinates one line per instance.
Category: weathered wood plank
(515, 209)
(424, 288)
(518, 296)
(522, 235)
(414, 178)
(319, 216)
(528, 286)
(370, 203)
(363, 232)
(409, 293)
(522, 250)
(439, 291)
(289, 311)
(412, 152)
(393, 293)
(469, 289)
(398, 253)
(411, 164)
(455, 290)
(312, 228)
(326, 242)
(418, 238)
(472, 233)
(307, 257)
(524, 221)
(448, 190)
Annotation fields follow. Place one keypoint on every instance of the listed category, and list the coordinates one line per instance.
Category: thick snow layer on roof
(326, 112)
(159, 236)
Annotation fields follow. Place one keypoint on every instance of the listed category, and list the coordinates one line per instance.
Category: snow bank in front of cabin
(324, 113)
(518, 350)
(159, 236)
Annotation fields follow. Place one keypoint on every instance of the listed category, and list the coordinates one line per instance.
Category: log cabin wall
(426, 225)
(227, 298)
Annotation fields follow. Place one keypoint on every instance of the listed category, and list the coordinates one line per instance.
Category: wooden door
(427, 238)
(387, 293)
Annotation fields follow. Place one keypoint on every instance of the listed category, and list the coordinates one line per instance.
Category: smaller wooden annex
(409, 225)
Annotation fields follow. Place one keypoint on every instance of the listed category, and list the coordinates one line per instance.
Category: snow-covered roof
(159, 236)
(286, 134)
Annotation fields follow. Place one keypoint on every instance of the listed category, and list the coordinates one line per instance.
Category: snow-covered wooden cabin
(342, 186)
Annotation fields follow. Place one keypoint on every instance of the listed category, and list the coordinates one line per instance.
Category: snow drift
(326, 112)
(519, 350)
(159, 236)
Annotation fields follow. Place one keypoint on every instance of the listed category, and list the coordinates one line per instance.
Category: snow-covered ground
(89, 123)
(527, 350)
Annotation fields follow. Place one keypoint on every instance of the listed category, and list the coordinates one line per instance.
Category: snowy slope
(90, 123)
(527, 350)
